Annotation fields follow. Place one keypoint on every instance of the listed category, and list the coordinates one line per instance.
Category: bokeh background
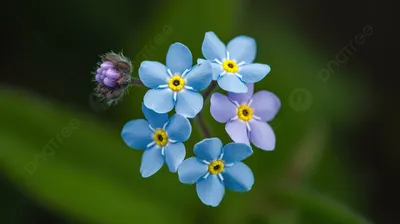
(62, 159)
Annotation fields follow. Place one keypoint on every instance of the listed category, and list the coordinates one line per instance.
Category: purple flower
(113, 78)
(246, 116)
(107, 74)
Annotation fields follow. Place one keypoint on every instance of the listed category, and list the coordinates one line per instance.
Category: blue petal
(208, 149)
(232, 83)
(188, 103)
(236, 152)
(156, 120)
(179, 58)
(191, 170)
(254, 72)
(242, 48)
(137, 134)
(153, 74)
(238, 177)
(152, 161)
(159, 100)
(178, 128)
(216, 68)
(210, 190)
(174, 155)
(200, 76)
(212, 47)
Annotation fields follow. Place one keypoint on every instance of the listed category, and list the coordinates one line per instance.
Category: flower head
(160, 137)
(246, 116)
(113, 77)
(176, 84)
(215, 168)
(233, 65)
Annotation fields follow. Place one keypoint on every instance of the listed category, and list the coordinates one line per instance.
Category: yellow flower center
(160, 137)
(176, 83)
(216, 167)
(230, 66)
(244, 112)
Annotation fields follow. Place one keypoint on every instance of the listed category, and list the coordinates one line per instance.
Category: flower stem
(199, 118)
(209, 90)
(203, 126)
(137, 82)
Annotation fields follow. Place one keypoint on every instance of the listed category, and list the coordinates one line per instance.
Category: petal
(265, 105)
(137, 134)
(189, 103)
(232, 83)
(221, 108)
(236, 152)
(242, 98)
(262, 135)
(153, 74)
(212, 47)
(238, 177)
(216, 68)
(159, 100)
(178, 128)
(237, 130)
(210, 190)
(200, 76)
(156, 120)
(208, 149)
(191, 170)
(242, 48)
(174, 155)
(254, 72)
(179, 58)
(152, 161)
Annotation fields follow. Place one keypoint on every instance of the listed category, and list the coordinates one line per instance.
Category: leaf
(72, 165)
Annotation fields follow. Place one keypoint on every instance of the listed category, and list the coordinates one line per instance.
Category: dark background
(49, 49)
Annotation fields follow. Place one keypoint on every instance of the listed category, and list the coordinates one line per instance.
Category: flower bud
(113, 77)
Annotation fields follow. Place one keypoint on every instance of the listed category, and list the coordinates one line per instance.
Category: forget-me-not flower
(246, 116)
(176, 84)
(215, 168)
(233, 65)
(160, 137)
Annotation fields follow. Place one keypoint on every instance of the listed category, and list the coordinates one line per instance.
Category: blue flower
(177, 84)
(215, 168)
(160, 138)
(233, 65)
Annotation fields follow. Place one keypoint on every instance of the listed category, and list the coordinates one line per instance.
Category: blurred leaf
(70, 164)
(326, 208)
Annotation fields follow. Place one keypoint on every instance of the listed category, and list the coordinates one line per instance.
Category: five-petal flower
(233, 65)
(246, 116)
(177, 84)
(215, 168)
(160, 137)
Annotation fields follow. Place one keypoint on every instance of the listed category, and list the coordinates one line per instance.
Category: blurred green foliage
(92, 176)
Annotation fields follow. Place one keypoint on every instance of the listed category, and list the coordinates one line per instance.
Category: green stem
(199, 118)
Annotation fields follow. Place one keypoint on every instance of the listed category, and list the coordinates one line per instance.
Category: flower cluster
(113, 78)
(176, 85)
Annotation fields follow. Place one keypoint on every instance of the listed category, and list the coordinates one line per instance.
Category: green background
(90, 176)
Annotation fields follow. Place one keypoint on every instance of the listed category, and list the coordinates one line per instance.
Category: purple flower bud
(98, 79)
(113, 77)
(111, 73)
(109, 82)
(106, 65)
